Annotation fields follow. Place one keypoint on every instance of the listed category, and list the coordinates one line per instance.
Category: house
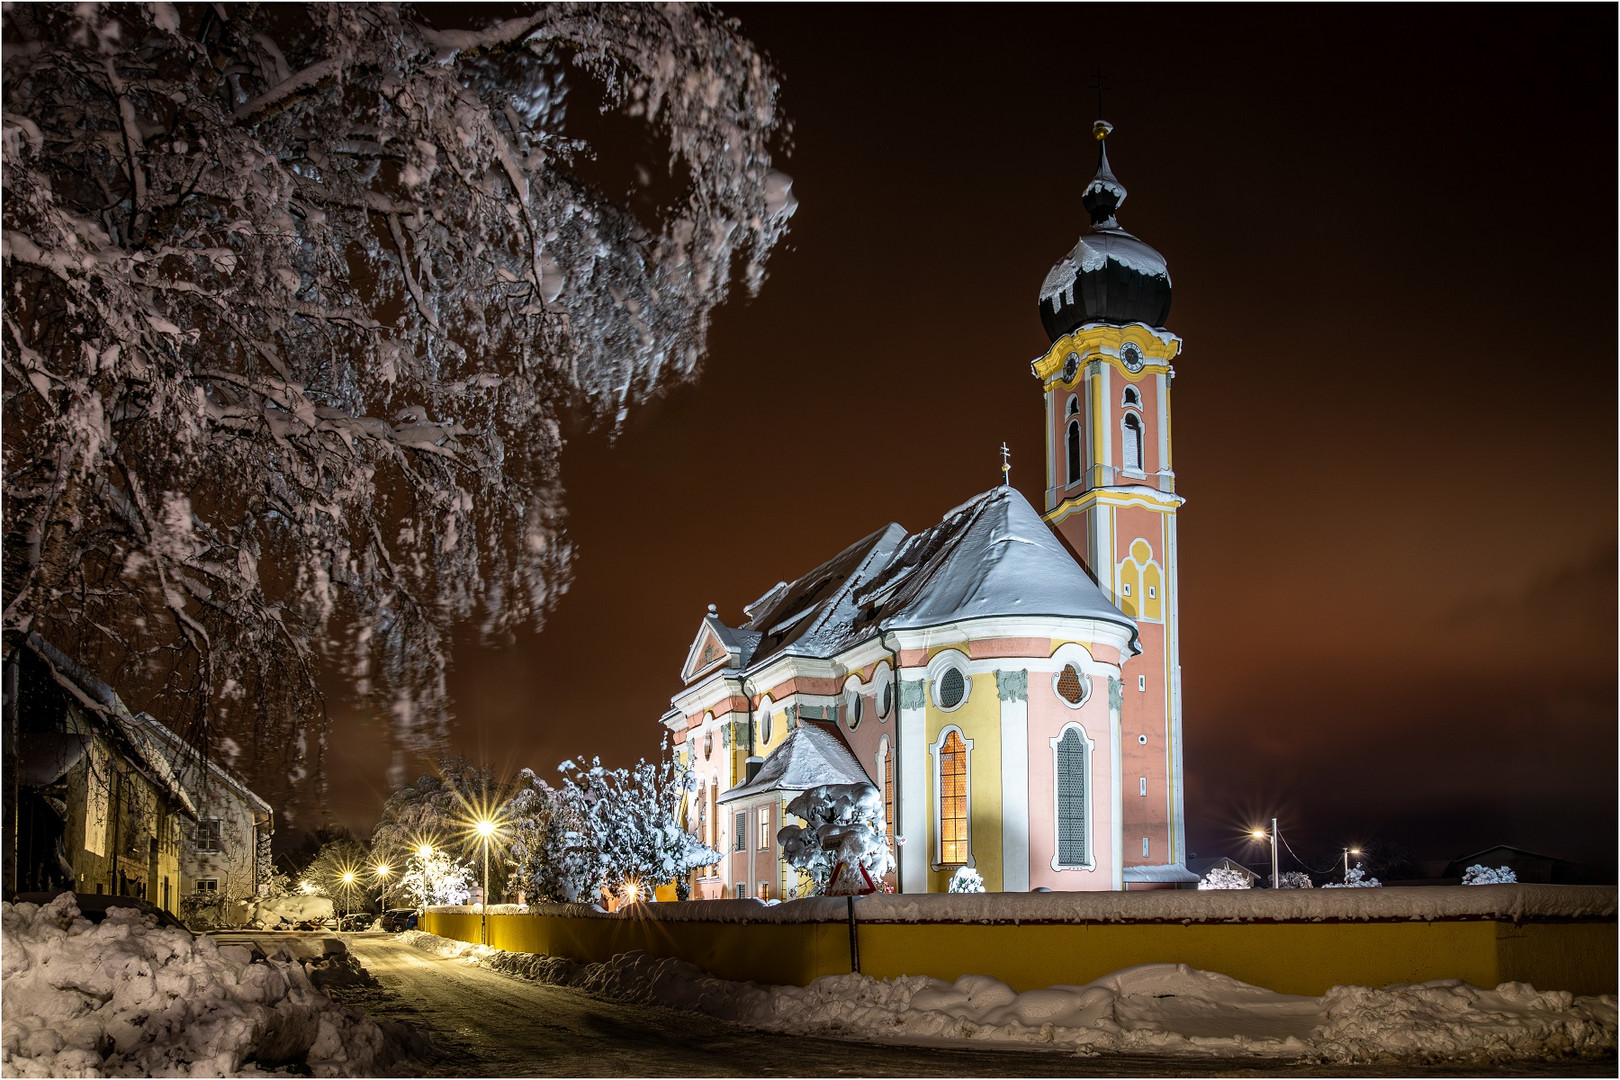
(99, 808)
(1529, 867)
(1008, 679)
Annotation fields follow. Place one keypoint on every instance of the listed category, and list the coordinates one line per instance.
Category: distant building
(1529, 867)
(1008, 679)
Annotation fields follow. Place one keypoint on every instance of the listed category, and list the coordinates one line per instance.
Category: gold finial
(1006, 466)
(1101, 129)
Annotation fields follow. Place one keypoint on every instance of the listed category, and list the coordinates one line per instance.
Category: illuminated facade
(1018, 714)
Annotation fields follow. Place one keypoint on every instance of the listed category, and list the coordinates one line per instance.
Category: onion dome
(1110, 276)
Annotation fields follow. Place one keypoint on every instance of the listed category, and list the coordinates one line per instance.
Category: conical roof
(810, 756)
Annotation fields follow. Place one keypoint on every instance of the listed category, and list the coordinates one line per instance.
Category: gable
(707, 653)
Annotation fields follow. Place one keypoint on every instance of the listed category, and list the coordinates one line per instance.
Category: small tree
(436, 878)
(1356, 879)
(1484, 875)
(843, 823)
(1224, 877)
(1293, 879)
(966, 879)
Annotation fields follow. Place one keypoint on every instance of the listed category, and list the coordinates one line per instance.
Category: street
(488, 1024)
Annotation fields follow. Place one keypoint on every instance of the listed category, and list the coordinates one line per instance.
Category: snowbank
(291, 910)
(125, 997)
(1515, 902)
(1160, 1009)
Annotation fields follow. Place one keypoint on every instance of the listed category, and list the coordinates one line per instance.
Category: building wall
(121, 836)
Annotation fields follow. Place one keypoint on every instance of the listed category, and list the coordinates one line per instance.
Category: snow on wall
(1514, 902)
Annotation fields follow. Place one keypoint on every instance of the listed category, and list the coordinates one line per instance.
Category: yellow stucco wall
(980, 720)
(1293, 958)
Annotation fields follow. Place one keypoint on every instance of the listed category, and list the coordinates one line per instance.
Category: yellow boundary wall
(1578, 955)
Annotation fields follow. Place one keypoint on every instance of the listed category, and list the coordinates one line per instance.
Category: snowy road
(490, 1024)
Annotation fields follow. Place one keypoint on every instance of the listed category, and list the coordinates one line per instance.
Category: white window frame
(1129, 468)
(766, 840)
(1088, 749)
(935, 752)
(216, 843)
(739, 842)
(206, 885)
(943, 662)
(881, 758)
(1085, 684)
(854, 707)
(882, 682)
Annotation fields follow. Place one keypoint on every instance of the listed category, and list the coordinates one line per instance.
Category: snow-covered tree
(295, 296)
(438, 877)
(1292, 879)
(966, 879)
(604, 827)
(439, 809)
(1224, 877)
(843, 823)
(1484, 875)
(1356, 879)
(335, 860)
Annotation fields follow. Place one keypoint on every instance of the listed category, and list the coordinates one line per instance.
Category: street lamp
(1262, 834)
(348, 887)
(382, 870)
(486, 832)
(425, 851)
(1349, 851)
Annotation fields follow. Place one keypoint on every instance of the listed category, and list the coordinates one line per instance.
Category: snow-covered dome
(1110, 276)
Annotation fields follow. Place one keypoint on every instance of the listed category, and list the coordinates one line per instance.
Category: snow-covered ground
(125, 997)
(1153, 1009)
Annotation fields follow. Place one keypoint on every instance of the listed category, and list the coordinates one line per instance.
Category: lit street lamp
(348, 889)
(1349, 851)
(1261, 834)
(486, 832)
(382, 871)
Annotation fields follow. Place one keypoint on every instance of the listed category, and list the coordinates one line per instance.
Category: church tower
(1111, 488)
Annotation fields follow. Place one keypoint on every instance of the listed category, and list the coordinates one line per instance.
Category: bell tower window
(1132, 443)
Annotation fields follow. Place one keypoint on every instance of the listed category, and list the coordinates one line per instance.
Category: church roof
(813, 754)
(992, 556)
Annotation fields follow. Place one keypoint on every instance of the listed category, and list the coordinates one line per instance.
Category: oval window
(952, 689)
(1072, 685)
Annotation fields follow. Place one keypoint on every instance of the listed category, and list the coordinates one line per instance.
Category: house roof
(992, 556)
(1162, 873)
(813, 754)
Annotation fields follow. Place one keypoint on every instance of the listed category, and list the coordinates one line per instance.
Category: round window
(1072, 685)
(885, 700)
(1142, 739)
(854, 709)
(952, 688)
(765, 724)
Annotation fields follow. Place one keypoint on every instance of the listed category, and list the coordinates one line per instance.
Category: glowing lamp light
(382, 871)
(348, 877)
(485, 827)
(1258, 834)
(425, 851)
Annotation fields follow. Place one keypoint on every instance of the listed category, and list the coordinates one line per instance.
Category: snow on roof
(1091, 253)
(991, 556)
(1161, 873)
(813, 754)
(185, 758)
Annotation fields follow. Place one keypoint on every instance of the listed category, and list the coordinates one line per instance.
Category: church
(1008, 679)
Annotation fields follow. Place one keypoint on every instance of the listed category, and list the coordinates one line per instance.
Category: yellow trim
(1105, 497)
(1089, 341)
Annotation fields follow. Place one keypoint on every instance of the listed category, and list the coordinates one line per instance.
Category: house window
(1132, 428)
(951, 765)
(1125, 588)
(739, 832)
(764, 828)
(1144, 847)
(1143, 787)
(740, 891)
(1153, 592)
(951, 689)
(207, 885)
(208, 834)
(1071, 754)
(1071, 444)
(1141, 682)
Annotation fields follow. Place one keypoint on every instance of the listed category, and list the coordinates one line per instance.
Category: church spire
(1105, 194)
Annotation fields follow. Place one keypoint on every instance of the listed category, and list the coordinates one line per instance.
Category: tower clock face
(1071, 367)
(1132, 357)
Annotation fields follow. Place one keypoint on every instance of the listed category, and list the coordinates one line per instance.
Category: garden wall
(1302, 942)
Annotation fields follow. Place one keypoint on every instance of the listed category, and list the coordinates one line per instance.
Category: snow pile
(1484, 875)
(125, 997)
(1152, 1009)
(966, 880)
(1224, 877)
(289, 910)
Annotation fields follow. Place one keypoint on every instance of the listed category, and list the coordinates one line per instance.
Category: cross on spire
(1099, 84)
(1006, 466)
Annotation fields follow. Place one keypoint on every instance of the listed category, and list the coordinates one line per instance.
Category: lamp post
(1261, 834)
(486, 830)
(382, 870)
(348, 887)
(1349, 851)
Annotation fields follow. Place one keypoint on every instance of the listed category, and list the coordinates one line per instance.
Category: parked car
(360, 920)
(93, 906)
(395, 920)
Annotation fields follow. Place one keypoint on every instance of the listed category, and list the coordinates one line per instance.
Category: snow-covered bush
(278, 912)
(602, 828)
(843, 825)
(1293, 879)
(342, 271)
(1356, 879)
(436, 878)
(966, 879)
(1224, 877)
(1484, 875)
(125, 997)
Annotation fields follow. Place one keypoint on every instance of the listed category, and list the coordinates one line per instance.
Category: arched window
(1072, 445)
(1132, 398)
(1132, 427)
(1072, 752)
(886, 771)
(951, 763)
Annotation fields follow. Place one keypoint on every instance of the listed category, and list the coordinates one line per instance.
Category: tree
(966, 880)
(1484, 875)
(436, 877)
(843, 823)
(336, 860)
(605, 828)
(295, 297)
(1224, 877)
(1356, 879)
(1293, 879)
(439, 809)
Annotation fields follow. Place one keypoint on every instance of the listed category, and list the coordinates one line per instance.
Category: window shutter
(1071, 799)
